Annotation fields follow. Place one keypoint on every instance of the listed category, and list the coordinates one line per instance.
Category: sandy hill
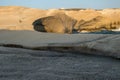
(21, 18)
(18, 18)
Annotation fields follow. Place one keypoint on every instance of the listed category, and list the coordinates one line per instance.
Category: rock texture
(22, 64)
(58, 23)
(98, 44)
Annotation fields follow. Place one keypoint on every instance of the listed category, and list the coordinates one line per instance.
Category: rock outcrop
(96, 24)
(58, 23)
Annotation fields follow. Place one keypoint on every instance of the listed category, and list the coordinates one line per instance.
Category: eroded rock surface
(59, 23)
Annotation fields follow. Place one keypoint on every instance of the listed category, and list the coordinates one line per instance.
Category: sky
(48, 4)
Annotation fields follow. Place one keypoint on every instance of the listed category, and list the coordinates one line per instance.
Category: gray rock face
(58, 23)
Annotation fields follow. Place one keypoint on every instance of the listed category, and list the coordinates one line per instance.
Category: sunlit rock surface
(58, 23)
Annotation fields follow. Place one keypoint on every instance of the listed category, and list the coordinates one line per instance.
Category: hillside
(21, 18)
(18, 18)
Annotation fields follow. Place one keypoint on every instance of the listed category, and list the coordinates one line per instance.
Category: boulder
(58, 23)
